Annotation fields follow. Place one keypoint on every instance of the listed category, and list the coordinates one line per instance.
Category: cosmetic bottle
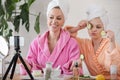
(113, 72)
(76, 71)
(48, 71)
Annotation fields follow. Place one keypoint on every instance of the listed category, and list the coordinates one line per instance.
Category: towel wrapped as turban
(63, 4)
(98, 11)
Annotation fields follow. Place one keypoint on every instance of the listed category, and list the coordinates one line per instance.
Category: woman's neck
(96, 41)
(52, 40)
(54, 36)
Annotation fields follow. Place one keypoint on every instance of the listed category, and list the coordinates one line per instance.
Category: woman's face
(96, 28)
(55, 20)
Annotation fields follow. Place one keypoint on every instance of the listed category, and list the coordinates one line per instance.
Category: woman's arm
(110, 35)
(81, 25)
(112, 57)
(19, 62)
(74, 53)
(31, 59)
(22, 70)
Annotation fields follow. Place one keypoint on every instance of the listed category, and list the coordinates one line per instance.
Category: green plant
(11, 11)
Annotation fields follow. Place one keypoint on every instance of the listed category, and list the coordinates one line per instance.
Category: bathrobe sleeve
(31, 58)
(74, 54)
(112, 58)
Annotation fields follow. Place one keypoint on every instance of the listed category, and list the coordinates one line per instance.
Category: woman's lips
(54, 26)
(93, 34)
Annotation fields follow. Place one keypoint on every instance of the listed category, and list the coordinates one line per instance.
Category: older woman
(99, 52)
(55, 45)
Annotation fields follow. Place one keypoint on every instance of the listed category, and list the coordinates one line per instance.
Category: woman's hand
(110, 35)
(27, 64)
(82, 24)
(18, 61)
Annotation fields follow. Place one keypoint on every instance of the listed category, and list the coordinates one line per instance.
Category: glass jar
(113, 72)
(48, 71)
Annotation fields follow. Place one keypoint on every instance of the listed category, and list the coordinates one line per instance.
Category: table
(66, 77)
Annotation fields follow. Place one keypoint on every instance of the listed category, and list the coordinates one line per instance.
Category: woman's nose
(94, 29)
(54, 20)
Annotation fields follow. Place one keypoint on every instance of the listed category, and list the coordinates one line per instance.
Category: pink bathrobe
(65, 51)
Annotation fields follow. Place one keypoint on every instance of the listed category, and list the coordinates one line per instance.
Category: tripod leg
(28, 71)
(9, 67)
(14, 65)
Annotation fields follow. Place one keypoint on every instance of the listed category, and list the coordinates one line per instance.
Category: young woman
(55, 45)
(99, 53)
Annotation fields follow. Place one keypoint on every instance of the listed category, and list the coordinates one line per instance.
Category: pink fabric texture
(65, 51)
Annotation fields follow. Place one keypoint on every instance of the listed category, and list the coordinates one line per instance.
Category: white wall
(0, 66)
(77, 13)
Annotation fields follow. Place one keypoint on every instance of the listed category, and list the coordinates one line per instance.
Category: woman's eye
(98, 27)
(51, 17)
(59, 18)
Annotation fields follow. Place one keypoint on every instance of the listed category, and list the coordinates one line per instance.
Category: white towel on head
(63, 4)
(98, 11)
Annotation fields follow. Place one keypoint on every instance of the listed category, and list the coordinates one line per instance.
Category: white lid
(49, 65)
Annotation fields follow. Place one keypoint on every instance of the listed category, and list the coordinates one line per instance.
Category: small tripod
(13, 62)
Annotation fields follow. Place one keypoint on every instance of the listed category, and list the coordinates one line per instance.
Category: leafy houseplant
(16, 12)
